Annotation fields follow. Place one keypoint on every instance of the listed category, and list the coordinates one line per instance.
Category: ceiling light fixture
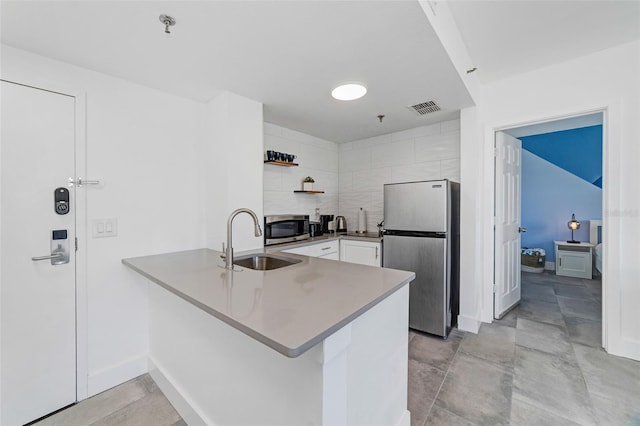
(168, 22)
(349, 91)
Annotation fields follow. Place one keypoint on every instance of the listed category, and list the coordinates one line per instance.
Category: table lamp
(573, 224)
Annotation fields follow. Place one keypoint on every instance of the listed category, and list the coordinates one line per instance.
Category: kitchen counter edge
(290, 352)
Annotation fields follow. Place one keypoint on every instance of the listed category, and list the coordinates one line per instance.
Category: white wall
(316, 157)
(144, 145)
(604, 80)
(427, 152)
(232, 163)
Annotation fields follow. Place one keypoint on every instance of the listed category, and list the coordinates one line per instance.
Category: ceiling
(286, 54)
(290, 54)
(504, 38)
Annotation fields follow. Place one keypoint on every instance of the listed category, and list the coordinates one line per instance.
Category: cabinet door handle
(376, 252)
(326, 248)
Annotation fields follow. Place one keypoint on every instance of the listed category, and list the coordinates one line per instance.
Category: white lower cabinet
(574, 259)
(363, 252)
(326, 250)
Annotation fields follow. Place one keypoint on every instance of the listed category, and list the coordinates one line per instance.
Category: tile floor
(540, 365)
(137, 402)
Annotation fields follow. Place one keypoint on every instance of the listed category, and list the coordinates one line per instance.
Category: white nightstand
(574, 259)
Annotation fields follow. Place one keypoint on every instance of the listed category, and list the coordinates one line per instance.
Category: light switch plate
(102, 228)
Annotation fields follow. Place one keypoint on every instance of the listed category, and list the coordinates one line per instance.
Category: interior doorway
(574, 294)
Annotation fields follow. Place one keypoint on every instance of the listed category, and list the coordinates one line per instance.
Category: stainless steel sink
(264, 262)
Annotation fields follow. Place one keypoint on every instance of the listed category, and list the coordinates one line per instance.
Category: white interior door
(507, 223)
(38, 298)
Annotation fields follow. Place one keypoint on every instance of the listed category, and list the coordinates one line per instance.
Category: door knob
(521, 229)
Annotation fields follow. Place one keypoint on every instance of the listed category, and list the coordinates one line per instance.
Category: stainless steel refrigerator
(422, 234)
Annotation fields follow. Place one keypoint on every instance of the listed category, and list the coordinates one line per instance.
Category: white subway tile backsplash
(393, 154)
(326, 160)
(328, 204)
(355, 159)
(415, 172)
(438, 147)
(450, 126)
(272, 129)
(345, 183)
(325, 181)
(450, 169)
(431, 129)
(347, 146)
(278, 202)
(371, 180)
(353, 174)
(272, 178)
(295, 135)
(316, 157)
(291, 178)
(424, 153)
(374, 141)
(280, 144)
(324, 144)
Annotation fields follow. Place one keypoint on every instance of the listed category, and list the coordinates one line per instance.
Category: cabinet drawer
(317, 249)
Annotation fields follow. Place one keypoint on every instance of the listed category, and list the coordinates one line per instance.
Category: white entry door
(507, 223)
(38, 297)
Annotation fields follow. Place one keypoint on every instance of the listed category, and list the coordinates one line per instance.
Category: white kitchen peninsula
(320, 342)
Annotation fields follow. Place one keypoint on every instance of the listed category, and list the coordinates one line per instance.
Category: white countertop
(290, 309)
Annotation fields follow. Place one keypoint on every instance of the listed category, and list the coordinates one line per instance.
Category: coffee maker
(324, 222)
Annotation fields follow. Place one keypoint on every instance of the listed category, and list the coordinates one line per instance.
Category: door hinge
(76, 243)
(495, 289)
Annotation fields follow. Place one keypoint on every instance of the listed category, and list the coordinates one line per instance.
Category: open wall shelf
(280, 163)
(309, 192)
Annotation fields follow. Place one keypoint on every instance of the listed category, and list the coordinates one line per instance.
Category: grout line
(573, 352)
(446, 373)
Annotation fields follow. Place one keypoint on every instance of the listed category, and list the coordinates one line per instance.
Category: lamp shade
(573, 224)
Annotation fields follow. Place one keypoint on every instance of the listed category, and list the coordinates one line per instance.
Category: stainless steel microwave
(285, 228)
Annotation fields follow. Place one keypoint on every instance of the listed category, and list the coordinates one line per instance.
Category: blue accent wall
(578, 151)
(550, 195)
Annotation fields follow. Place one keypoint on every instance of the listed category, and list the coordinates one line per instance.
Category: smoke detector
(425, 107)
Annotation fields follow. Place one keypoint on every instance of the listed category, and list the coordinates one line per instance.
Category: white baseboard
(626, 348)
(405, 420)
(114, 375)
(179, 402)
(468, 324)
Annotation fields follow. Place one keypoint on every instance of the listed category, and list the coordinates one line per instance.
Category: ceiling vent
(425, 107)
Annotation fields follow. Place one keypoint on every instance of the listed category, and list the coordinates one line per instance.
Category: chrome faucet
(228, 256)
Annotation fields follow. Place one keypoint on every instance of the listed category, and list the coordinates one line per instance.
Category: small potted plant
(307, 183)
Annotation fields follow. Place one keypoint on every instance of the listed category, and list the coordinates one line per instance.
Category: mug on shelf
(290, 158)
(271, 155)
